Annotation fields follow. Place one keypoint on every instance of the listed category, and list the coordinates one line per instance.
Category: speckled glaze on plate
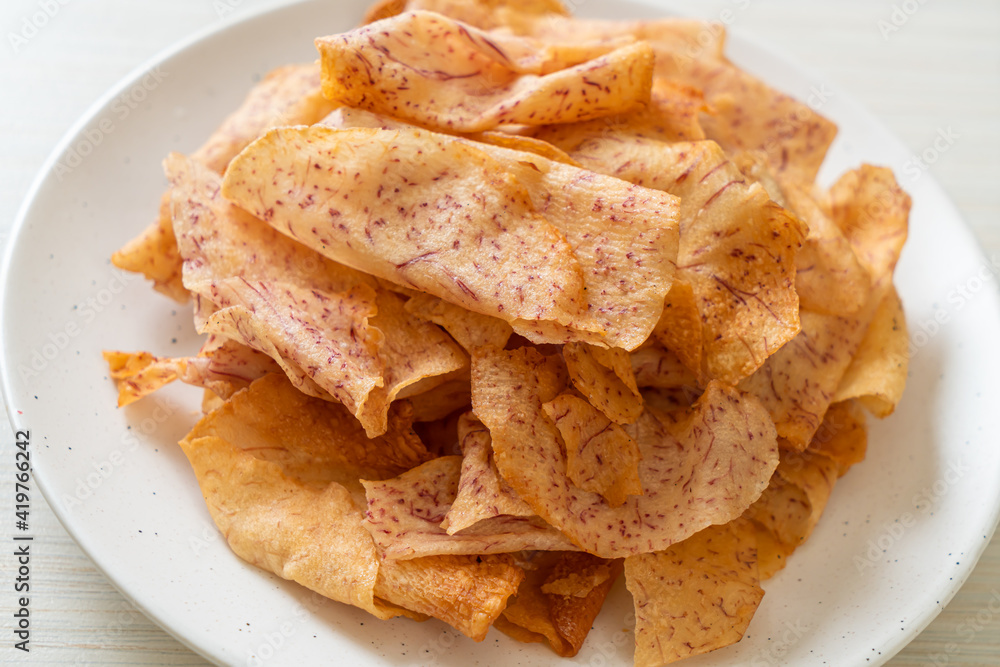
(902, 532)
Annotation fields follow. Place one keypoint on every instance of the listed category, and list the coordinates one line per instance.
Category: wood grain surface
(940, 69)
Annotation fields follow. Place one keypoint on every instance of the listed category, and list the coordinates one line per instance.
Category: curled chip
(439, 73)
(698, 467)
(829, 278)
(470, 329)
(877, 374)
(222, 366)
(559, 599)
(600, 455)
(405, 516)
(605, 377)
(695, 597)
(481, 493)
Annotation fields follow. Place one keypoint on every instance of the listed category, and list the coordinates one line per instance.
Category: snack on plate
(500, 304)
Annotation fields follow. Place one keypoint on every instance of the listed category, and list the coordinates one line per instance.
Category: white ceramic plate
(903, 530)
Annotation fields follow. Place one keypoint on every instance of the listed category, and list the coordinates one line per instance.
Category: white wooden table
(922, 67)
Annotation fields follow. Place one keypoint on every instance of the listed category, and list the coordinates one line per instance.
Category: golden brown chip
(523, 272)
(695, 597)
(658, 367)
(481, 492)
(282, 494)
(466, 592)
(798, 382)
(222, 366)
(416, 355)
(605, 377)
(470, 329)
(747, 114)
(788, 511)
(699, 467)
(280, 474)
(289, 95)
(627, 269)
(600, 455)
(829, 279)
(679, 328)
(737, 247)
(873, 212)
(560, 597)
(842, 436)
(140, 373)
(440, 73)
(754, 167)
(405, 513)
(524, 144)
(877, 374)
(383, 9)
(672, 114)
(666, 384)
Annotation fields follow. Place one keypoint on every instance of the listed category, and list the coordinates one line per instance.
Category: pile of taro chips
(500, 305)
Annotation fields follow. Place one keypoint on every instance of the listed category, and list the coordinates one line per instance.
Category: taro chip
(679, 328)
(470, 329)
(301, 301)
(605, 377)
(288, 499)
(514, 266)
(293, 510)
(698, 467)
(289, 95)
(600, 455)
(873, 212)
(830, 280)
(555, 270)
(138, 374)
(744, 114)
(482, 494)
(877, 374)
(439, 73)
(560, 597)
(737, 249)
(223, 367)
(843, 435)
(466, 592)
(487, 15)
(658, 367)
(797, 383)
(405, 514)
(697, 596)
(792, 505)
(154, 254)
(628, 266)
